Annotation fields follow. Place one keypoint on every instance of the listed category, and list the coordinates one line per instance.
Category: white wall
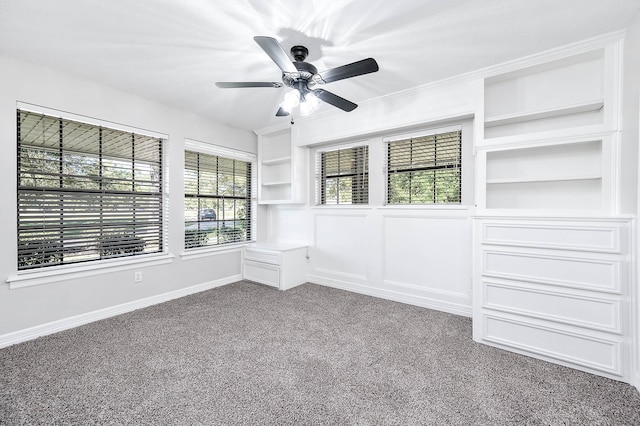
(630, 141)
(416, 255)
(27, 307)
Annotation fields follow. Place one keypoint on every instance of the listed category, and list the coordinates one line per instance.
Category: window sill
(425, 207)
(69, 272)
(210, 251)
(343, 206)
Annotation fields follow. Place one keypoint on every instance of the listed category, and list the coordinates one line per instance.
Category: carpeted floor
(248, 354)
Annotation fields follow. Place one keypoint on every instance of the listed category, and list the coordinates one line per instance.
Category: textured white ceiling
(173, 51)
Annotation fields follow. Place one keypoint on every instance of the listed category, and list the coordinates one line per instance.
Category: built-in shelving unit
(550, 278)
(566, 176)
(565, 93)
(280, 165)
(550, 139)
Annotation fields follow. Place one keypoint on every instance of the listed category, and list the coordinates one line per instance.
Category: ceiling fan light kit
(302, 77)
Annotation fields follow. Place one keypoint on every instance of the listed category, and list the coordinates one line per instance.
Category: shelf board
(542, 179)
(276, 161)
(278, 183)
(520, 117)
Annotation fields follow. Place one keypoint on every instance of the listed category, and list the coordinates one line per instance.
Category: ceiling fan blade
(282, 113)
(272, 48)
(233, 85)
(364, 66)
(334, 100)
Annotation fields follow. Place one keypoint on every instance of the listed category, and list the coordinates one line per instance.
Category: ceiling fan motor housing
(299, 53)
(305, 73)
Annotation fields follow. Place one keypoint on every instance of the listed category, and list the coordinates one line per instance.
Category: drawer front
(596, 311)
(261, 273)
(262, 256)
(588, 350)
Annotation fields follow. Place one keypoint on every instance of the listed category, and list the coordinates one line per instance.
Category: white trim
(78, 320)
(421, 133)
(39, 109)
(424, 302)
(72, 271)
(342, 206)
(196, 253)
(336, 147)
(207, 148)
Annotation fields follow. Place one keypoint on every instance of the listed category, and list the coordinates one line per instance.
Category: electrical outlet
(137, 277)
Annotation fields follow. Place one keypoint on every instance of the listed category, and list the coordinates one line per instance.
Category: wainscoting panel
(418, 256)
(341, 243)
(556, 289)
(427, 252)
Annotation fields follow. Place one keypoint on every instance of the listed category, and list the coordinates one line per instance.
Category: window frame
(232, 154)
(60, 272)
(320, 188)
(389, 140)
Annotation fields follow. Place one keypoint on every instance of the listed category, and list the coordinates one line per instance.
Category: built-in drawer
(261, 273)
(601, 352)
(262, 256)
(591, 310)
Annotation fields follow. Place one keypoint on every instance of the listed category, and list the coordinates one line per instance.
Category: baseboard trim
(410, 299)
(78, 320)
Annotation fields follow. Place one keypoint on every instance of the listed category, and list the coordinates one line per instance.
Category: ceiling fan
(302, 78)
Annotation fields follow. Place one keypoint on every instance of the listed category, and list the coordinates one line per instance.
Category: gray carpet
(248, 354)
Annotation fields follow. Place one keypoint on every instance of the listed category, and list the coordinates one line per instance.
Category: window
(344, 176)
(218, 202)
(425, 169)
(85, 192)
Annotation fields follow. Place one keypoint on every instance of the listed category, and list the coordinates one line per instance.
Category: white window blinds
(218, 204)
(425, 169)
(344, 176)
(85, 192)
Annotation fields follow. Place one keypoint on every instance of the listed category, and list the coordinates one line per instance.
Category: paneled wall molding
(397, 296)
(429, 293)
(341, 276)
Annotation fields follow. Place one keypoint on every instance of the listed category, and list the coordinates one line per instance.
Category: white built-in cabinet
(551, 272)
(281, 168)
(278, 265)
